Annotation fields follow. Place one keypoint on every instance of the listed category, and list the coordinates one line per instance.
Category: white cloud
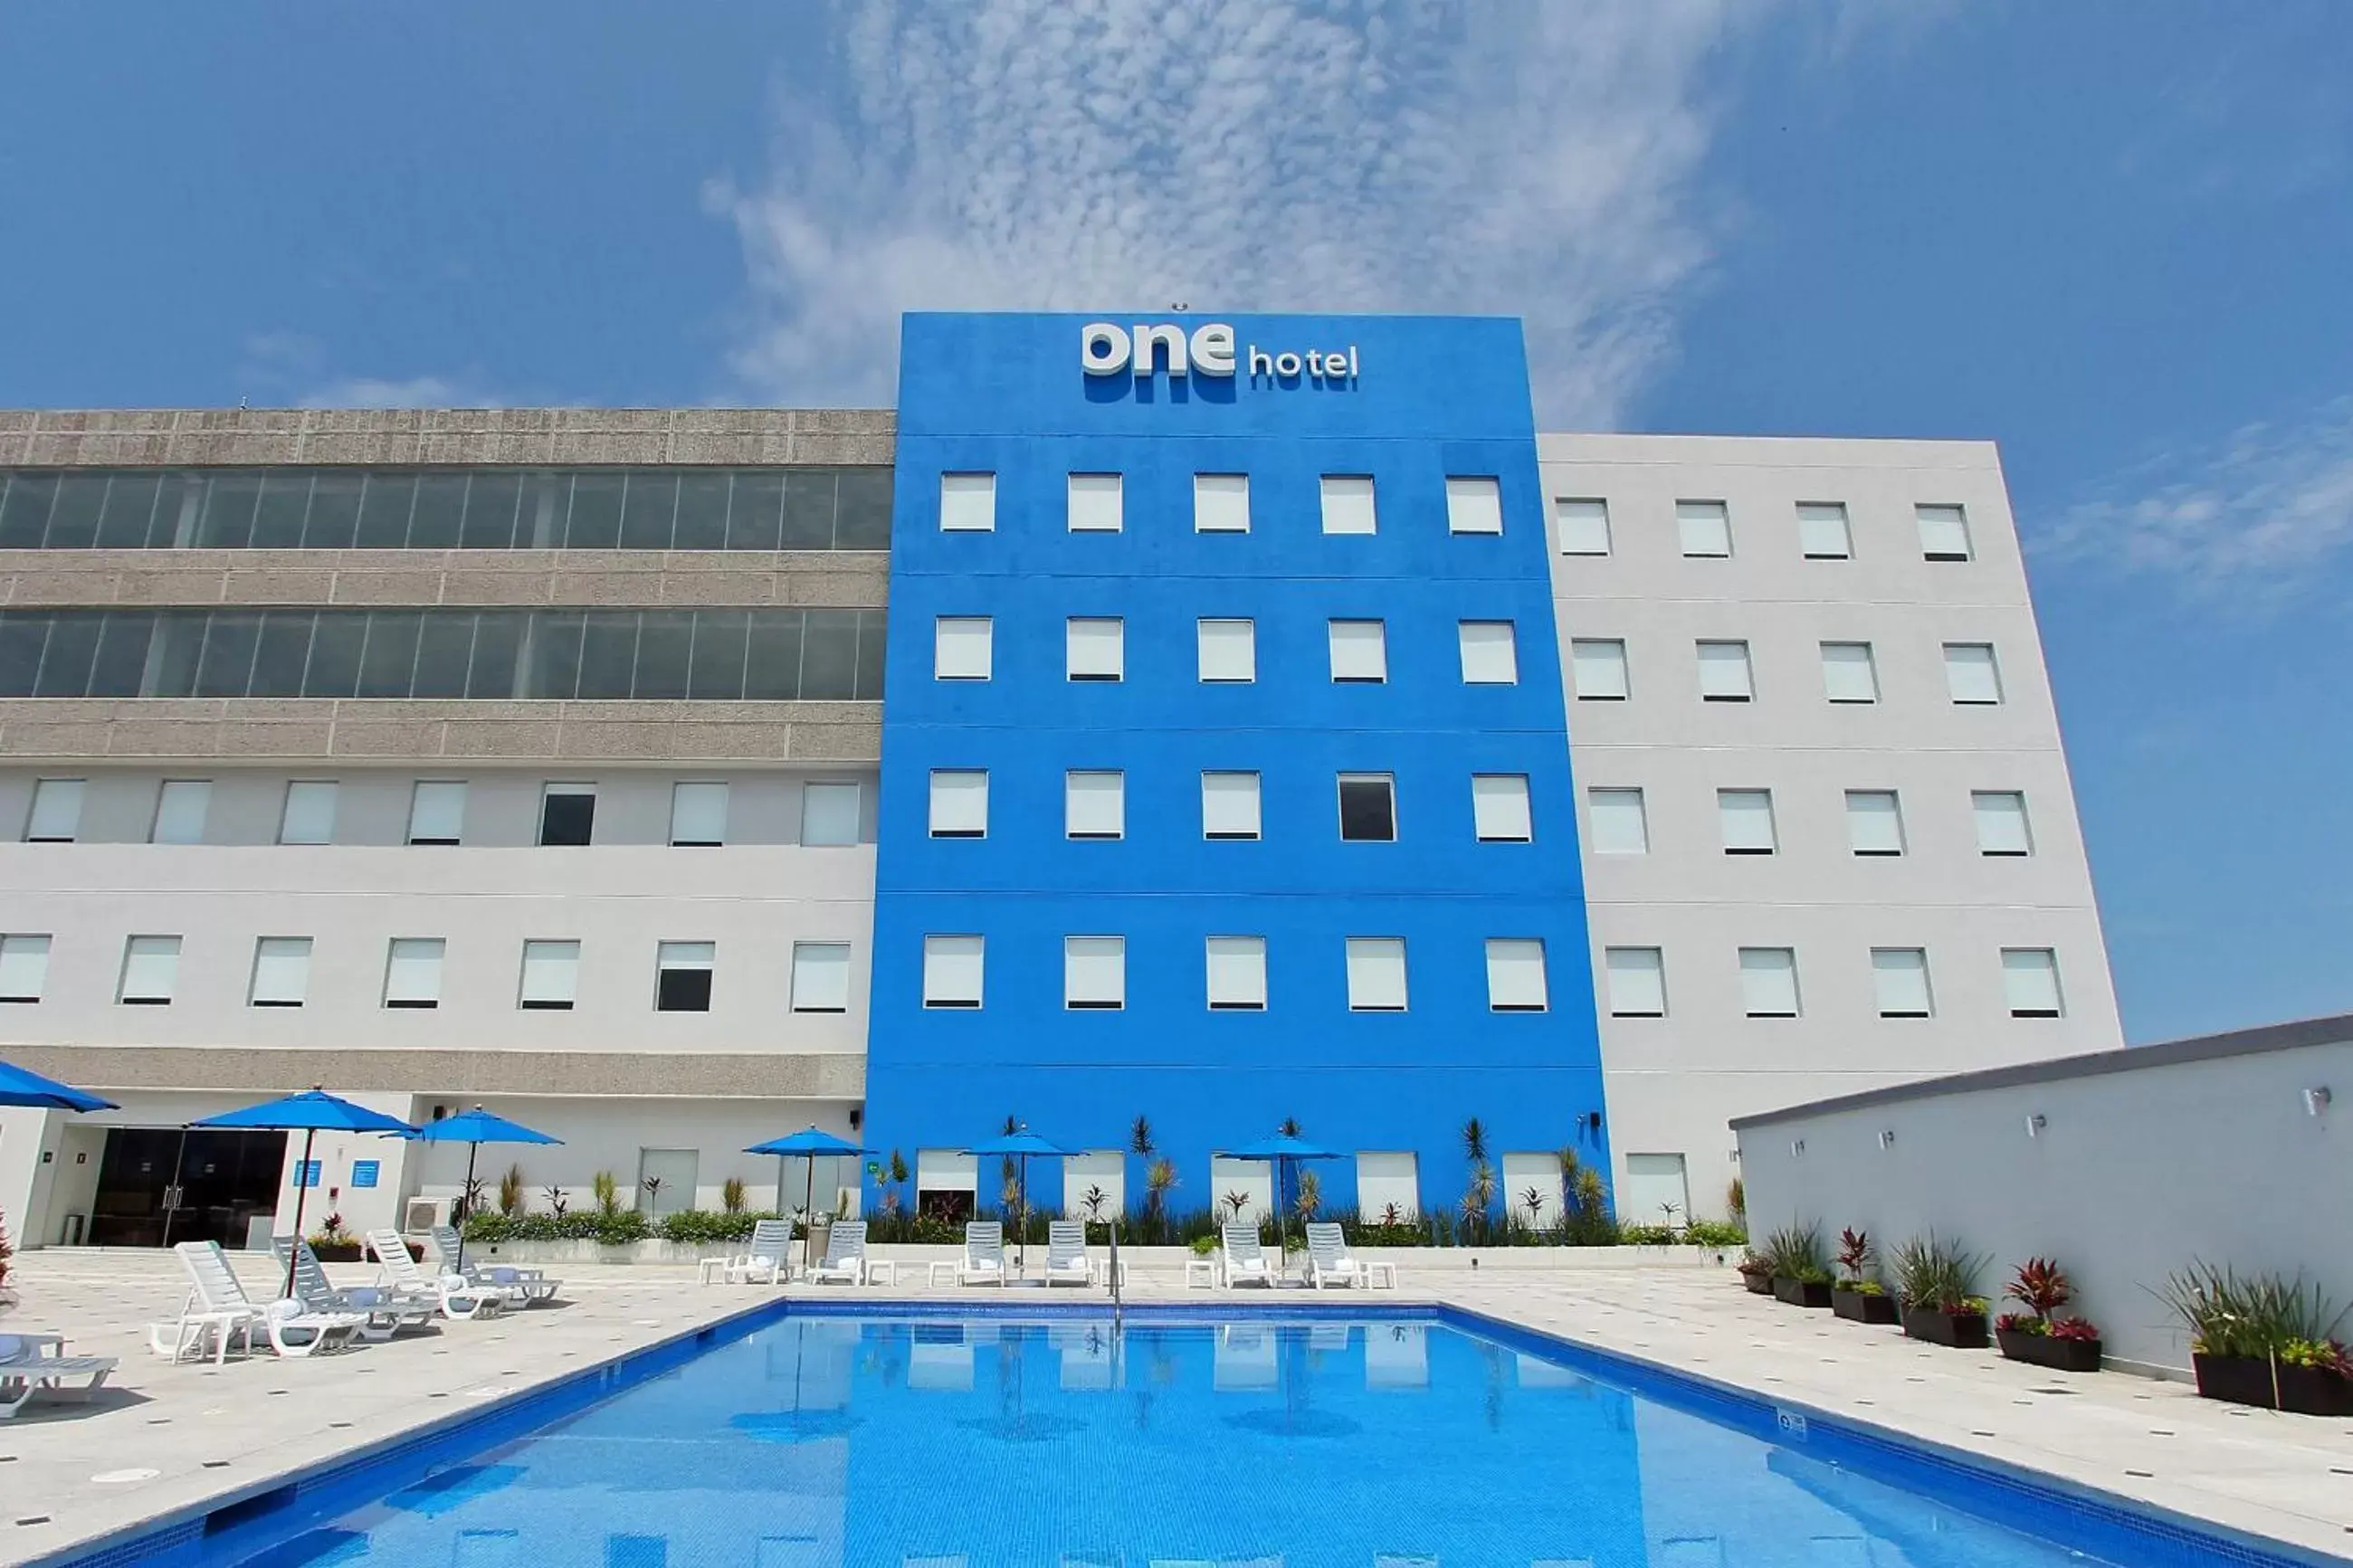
(2251, 518)
(292, 370)
(1531, 159)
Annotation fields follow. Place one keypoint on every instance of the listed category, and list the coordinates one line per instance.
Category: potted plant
(2315, 1377)
(1938, 1281)
(334, 1243)
(1798, 1278)
(1857, 1296)
(2262, 1341)
(1756, 1272)
(2036, 1336)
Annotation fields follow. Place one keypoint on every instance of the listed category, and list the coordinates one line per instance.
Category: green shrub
(1714, 1233)
(700, 1227)
(2230, 1314)
(1935, 1273)
(1204, 1245)
(1794, 1252)
(1632, 1235)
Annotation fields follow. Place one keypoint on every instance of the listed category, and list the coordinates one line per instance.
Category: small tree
(1310, 1196)
(731, 1194)
(653, 1187)
(510, 1191)
(1479, 1190)
(608, 1194)
(1235, 1202)
(1159, 1181)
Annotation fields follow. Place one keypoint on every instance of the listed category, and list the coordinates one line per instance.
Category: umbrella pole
(179, 1159)
(808, 1210)
(472, 1150)
(1021, 1221)
(301, 1191)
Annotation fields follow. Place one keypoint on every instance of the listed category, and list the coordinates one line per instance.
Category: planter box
(1863, 1306)
(2041, 1350)
(2309, 1390)
(2247, 1380)
(1956, 1330)
(1815, 1293)
(1757, 1284)
(336, 1252)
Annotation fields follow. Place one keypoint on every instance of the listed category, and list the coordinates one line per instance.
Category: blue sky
(2111, 235)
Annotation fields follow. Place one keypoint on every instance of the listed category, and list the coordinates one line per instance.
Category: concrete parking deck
(163, 1436)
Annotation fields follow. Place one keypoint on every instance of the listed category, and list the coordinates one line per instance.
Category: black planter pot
(1815, 1293)
(2235, 1379)
(1956, 1330)
(2309, 1390)
(1759, 1284)
(336, 1252)
(2041, 1350)
(1863, 1306)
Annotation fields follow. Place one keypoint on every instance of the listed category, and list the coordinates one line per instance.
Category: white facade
(1664, 585)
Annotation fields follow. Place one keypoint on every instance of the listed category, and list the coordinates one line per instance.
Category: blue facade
(1434, 397)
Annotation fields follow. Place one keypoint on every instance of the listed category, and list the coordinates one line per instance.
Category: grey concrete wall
(2146, 1160)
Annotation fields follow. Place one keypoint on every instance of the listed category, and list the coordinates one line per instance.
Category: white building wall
(1674, 1082)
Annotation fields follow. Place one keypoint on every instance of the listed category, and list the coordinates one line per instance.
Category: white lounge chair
(388, 1309)
(983, 1262)
(217, 1299)
(456, 1299)
(1244, 1258)
(522, 1287)
(769, 1260)
(844, 1262)
(32, 1363)
(1328, 1263)
(1067, 1262)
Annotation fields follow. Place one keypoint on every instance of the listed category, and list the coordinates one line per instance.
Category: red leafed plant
(2075, 1329)
(1854, 1253)
(2041, 1287)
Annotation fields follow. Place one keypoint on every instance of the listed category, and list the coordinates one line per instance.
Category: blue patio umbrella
(21, 1086)
(311, 1113)
(807, 1143)
(473, 1129)
(1023, 1145)
(1282, 1151)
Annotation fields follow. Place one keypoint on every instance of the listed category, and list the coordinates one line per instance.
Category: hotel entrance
(158, 1185)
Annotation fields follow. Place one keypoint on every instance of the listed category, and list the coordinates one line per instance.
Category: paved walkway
(162, 1435)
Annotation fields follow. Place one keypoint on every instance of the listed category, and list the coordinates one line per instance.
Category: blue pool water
(839, 1440)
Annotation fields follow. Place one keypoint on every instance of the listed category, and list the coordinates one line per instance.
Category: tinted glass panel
(227, 521)
(20, 653)
(829, 655)
(608, 656)
(437, 521)
(173, 664)
(226, 667)
(384, 505)
(701, 512)
(497, 649)
(333, 520)
(649, 509)
(335, 647)
(719, 642)
(73, 520)
(809, 510)
(490, 503)
(665, 645)
(283, 654)
(73, 646)
(130, 512)
(755, 512)
(24, 510)
(863, 519)
(278, 523)
(443, 647)
(596, 519)
(389, 662)
(554, 654)
(772, 666)
(121, 665)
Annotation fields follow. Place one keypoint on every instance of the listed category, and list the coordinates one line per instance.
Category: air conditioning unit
(423, 1213)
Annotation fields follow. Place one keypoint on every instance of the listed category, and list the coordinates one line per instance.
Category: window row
(1599, 672)
(1094, 806)
(437, 813)
(1635, 982)
(1094, 649)
(446, 508)
(1096, 503)
(1619, 822)
(547, 980)
(588, 654)
(1094, 973)
(1703, 529)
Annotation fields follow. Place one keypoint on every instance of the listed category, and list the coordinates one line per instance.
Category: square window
(1971, 675)
(412, 972)
(1943, 533)
(1704, 527)
(1584, 526)
(436, 812)
(1619, 824)
(1367, 808)
(1515, 975)
(23, 967)
(1491, 655)
(2030, 979)
(151, 966)
(1237, 967)
(1473, 505)
(1095, 503)
(1637, 982)
(1094, 804)
(1822, 532)
(1094, 648)
(1598, 667)
(952, 971)
(310, 812)
(820, 977)
(1724, 673)
(550, 975)
(282, 971)
(1095, 972)
(1230, 806)
(1768, 982)
(1222, 503)
(1359, 650)
(829, 814)
(963, 647)
(967, 503)
(1376, 973)
(1848, 674)
(1746, 817)
(1899, 977)
(567, 814)
(181, 807)
(1499, 808)
(959, 803)
(697, 814)
(682, 976)
(55, 816)
(2001, 822)
(1347, 503)
(1228, 650)
(1875, 821)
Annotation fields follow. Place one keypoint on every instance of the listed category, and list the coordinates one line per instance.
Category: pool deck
(161, 1437)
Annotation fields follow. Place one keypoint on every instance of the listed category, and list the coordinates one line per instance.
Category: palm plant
(1479, 1191)
(1159, 1181)
(1309, 1197)
(510, 1191)
(731, 1194)
(1533, 1201)
(557, 1199)
(608, 1194)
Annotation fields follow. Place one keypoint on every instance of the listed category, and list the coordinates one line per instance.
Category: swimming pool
(812, 1436)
